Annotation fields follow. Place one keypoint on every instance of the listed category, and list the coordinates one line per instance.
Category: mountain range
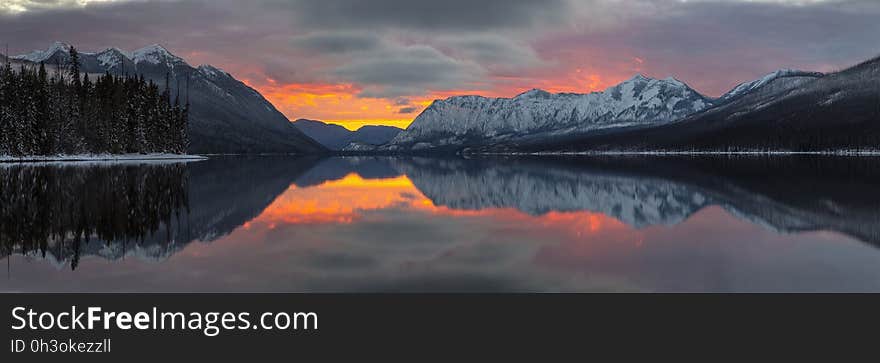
(536, 114)
(226, 115)
(786, 110)
(335, 137)
(799, 113)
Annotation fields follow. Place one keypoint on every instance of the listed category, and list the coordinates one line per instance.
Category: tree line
(68, 113)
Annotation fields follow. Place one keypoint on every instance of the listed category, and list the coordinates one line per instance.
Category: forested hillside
(66, 112)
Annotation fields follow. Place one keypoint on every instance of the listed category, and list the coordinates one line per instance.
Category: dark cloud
(404, 70)
(714, 45)
(337, 42)
(456, 15)
(407, 110)
(404, 48)
(493, 51)
(822, 31)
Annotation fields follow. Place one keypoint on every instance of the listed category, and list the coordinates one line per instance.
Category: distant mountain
(336, 137)
(803, 112)
(465, 121)
(226, 115)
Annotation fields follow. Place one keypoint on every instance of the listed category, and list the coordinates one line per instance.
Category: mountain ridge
(226, 115)
(463, 120)
(837, 111)
(335, 137)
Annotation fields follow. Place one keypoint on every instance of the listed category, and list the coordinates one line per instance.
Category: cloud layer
(356, 61)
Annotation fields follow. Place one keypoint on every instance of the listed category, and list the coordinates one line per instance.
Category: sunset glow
(352, 198)
(359, 65)
(340, 104)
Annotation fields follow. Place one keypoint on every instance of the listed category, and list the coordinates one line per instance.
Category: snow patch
(747, 87)
(155, 54)
(42, 55)
(101, 158)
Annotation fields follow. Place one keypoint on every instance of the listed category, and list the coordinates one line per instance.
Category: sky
(354, 62)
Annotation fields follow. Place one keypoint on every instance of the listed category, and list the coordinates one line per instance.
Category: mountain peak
(534, 93)
(155, 54)
(674, 80)
(59, 45)
(153, 48)
(112, 57)
(638, 77)
(43, 55)
(114, 50)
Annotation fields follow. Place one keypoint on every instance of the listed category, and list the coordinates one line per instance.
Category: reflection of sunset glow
(345, 201)
(338, 201)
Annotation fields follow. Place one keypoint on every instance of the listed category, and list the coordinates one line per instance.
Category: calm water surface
(364, 224)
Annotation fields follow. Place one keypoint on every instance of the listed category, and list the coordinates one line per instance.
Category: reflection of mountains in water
(788, 194)
(151, 211)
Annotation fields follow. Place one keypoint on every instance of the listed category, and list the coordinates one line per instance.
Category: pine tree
(6, 122)
(43, 125)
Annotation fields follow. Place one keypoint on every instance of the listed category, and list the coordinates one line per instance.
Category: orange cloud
(338, 103)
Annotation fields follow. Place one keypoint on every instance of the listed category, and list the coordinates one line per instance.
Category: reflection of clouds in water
(394, 249)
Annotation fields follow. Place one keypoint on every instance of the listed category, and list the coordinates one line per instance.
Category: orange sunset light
(339, 103)
(344, 201)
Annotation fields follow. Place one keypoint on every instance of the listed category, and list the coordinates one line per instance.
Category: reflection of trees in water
(61, 209)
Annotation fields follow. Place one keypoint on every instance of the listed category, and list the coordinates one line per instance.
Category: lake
(414, 224)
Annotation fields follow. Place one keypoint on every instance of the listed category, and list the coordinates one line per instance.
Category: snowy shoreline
(693, 153)
(101, 158)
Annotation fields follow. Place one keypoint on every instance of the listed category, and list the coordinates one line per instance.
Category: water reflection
(787, 194)
(55, 211)
(419, 224)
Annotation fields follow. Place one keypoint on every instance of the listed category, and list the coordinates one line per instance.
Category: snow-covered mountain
(774, 81)
(474, 120)
(226, 116)
(784, 111)
(44, 55)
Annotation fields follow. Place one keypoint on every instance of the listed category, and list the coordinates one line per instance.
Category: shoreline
(690, 153)
(109, 158)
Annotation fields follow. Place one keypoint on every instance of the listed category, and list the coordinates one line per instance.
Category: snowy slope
(473, 119)
(44, 55)
(789, 77)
